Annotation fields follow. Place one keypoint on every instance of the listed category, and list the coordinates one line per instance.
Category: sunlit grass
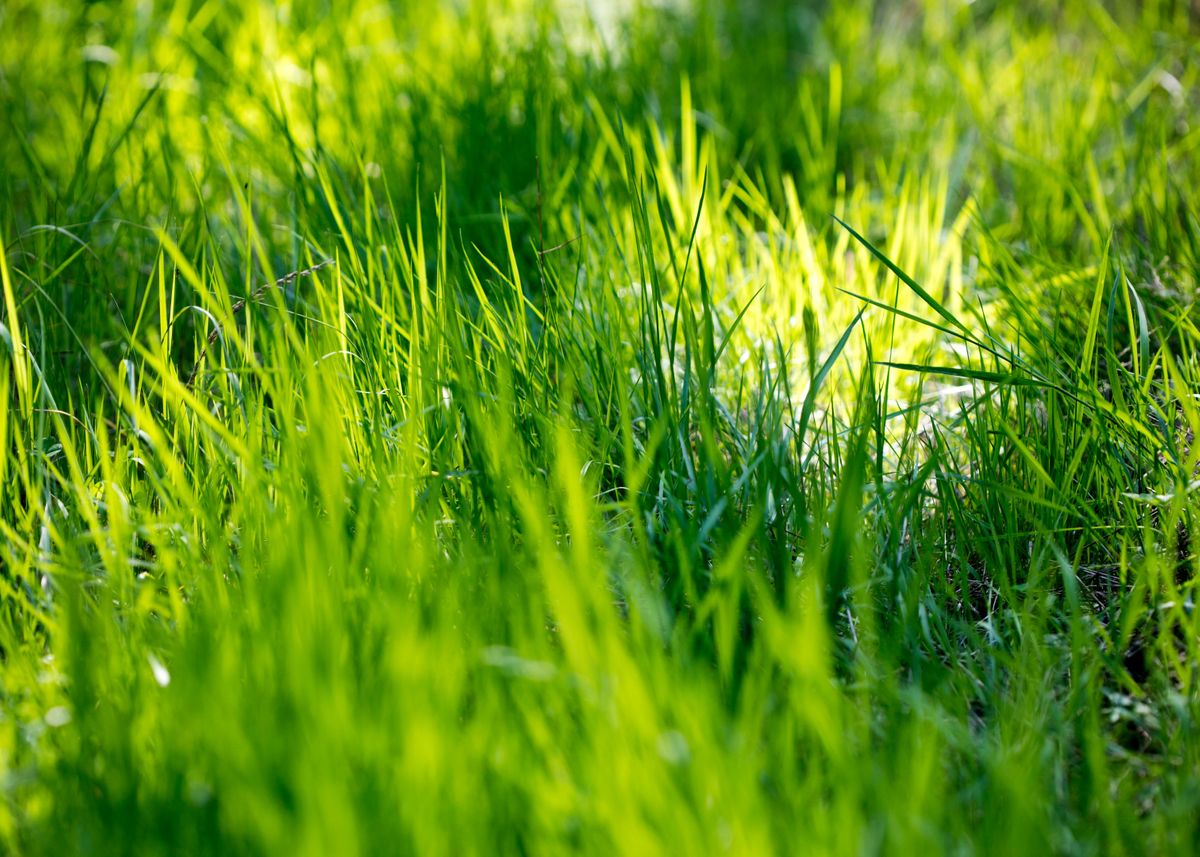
(718, 427)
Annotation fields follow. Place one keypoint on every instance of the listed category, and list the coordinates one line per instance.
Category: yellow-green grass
(713, 427)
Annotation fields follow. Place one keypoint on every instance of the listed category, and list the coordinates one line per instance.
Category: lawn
(682, 427)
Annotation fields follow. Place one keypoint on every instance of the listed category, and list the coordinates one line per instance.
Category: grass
(710, 427)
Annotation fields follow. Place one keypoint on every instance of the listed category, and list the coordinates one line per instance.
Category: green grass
(735, 426)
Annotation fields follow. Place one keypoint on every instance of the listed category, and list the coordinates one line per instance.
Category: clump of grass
(721, 427)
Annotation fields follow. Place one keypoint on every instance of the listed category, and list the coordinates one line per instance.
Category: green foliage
(680, 428)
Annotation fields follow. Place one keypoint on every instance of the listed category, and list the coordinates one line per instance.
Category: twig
(537, 168)
(285, 280)
(567, 243)
(542, 251)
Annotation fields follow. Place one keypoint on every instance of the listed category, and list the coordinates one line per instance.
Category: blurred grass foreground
(704, 427)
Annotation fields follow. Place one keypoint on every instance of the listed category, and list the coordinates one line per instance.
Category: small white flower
(161, 676)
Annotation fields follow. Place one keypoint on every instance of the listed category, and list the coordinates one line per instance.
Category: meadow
(514, 427)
